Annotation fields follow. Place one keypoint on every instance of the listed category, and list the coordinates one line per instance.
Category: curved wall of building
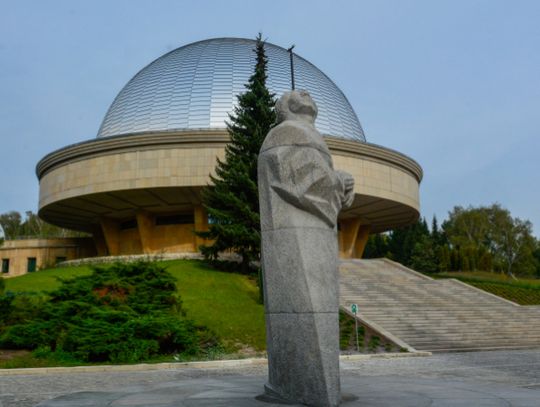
(105, 184)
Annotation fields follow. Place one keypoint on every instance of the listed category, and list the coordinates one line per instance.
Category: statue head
(296, 105)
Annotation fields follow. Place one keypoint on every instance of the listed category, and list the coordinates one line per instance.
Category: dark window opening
(60, 259)
(5, 265)
(128, 224)
(186, 219)
(31, 264)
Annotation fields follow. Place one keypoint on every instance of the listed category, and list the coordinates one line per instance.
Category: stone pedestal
(302, 321)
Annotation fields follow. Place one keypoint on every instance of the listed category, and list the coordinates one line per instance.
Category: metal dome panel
(195, 87)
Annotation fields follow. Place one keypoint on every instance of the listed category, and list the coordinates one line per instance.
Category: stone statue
(300, 197)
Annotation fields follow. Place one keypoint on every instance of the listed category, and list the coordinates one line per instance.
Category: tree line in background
(31, 226)
(485, 238)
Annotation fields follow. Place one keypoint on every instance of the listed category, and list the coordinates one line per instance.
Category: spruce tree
(435, 232)
(232, 201)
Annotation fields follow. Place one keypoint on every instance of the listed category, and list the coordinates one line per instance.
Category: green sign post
(354, 310)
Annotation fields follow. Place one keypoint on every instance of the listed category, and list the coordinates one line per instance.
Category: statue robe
(300, 197)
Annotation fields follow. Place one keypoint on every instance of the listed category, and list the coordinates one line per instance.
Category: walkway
(497, 378)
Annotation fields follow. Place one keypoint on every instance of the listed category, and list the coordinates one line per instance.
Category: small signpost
(354, 310)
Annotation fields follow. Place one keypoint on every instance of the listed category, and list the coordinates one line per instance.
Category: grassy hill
(224, 302)
(45, 280)
(227, 303)
(521, 291)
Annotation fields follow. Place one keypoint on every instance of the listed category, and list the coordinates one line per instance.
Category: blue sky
(453, 84)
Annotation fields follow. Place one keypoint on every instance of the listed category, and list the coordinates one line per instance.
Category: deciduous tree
(11, 223)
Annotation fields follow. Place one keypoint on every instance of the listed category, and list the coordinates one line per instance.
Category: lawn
(522, 291)
(44, 280)
(227, 303)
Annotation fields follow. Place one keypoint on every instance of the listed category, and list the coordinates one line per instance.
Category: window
(128, 224)
(60, 259)
(186, 219)
(5, 265)
(31, 267)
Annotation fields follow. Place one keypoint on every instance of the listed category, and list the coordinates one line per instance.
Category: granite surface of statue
(300, 197)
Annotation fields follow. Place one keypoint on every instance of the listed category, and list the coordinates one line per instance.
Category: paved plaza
(496, 378)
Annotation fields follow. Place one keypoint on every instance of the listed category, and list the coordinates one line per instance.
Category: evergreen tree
(423, 256)
(376, 246)
(232, 201)
(402, 241)
(438, 234)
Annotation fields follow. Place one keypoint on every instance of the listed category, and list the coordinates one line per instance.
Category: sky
(453, 84)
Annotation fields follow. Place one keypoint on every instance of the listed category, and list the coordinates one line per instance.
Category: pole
(356, 331)
(290, 51)
(354, 309)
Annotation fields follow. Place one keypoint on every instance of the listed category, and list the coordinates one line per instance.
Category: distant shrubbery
(368, 340)
(120, 313)
(523, 292)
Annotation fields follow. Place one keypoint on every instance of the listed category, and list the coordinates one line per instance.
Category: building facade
(28, 255)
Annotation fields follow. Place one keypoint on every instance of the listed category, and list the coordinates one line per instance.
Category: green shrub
(347, 336)
(6, 305)
(26, 307)
(374, 343)
(57, 357)
(121, 313)
(19, 308)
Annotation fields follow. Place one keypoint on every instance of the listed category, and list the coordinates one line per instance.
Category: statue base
(270, 396)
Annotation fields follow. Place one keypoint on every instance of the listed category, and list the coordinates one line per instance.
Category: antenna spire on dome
(290, 51)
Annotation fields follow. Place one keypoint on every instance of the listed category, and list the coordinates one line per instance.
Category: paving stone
(369, 392)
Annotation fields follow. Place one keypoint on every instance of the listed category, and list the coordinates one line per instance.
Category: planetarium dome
(195, 87)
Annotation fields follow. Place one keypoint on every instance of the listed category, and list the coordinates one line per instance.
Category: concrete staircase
(435, 315)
